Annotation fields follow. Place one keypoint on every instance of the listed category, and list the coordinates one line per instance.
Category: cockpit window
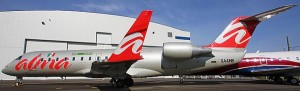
(19, 58)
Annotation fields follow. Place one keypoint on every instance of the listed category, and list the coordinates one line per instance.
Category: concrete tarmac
(149, 84)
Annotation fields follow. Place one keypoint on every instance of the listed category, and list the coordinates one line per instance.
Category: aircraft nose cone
(5, 70)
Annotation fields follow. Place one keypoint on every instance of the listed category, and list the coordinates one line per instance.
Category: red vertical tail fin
(238, 33)
(130, 47)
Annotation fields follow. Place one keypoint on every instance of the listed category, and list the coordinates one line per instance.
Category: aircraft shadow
(149, 84)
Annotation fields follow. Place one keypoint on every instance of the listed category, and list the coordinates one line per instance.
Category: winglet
(130, 47)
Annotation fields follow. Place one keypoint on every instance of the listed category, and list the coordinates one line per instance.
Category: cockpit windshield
(19, 58)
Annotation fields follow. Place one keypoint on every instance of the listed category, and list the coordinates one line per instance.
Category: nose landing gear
(181, 77)
(19, 80)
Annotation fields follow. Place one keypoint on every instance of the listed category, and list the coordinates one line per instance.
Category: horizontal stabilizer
(268, 14)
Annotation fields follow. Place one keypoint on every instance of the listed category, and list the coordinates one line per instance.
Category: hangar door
(103, 38)
(44, 46)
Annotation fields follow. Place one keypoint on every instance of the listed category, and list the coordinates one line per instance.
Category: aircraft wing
(278, 71)
(127, 52)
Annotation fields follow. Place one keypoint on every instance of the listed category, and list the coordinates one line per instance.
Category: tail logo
(237, 29)
(134, 39)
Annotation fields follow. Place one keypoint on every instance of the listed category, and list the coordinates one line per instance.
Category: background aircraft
(273, 64)
(129, 60)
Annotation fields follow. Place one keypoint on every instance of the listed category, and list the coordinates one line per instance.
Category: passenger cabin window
(57, 59)
(90, 58)
(98, 58)
(279, 59)
(81, 58)
(42, 59)
(73, 58)
(254, 60)
(66, 58)
(106, 57)
(288, 58)
(247, 60)
(297, 58)
(49, 59)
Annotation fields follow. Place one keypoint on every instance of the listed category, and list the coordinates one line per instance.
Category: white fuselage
(286, 55)
(79, 63)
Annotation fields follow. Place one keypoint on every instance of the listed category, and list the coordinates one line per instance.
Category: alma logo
(36, 62)
(135, 39)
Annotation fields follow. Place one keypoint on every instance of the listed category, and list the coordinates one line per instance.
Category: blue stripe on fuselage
(247, 71)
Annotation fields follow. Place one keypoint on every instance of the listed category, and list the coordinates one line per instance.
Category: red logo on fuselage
(36, 62)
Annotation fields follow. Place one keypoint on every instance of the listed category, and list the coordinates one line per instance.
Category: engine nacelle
(183, 50)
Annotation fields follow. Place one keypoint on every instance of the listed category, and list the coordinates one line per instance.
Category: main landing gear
(127, 82)
(19, 80)
(290, 80)
(278, 80)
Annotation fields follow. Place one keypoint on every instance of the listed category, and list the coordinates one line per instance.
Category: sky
(204, 19)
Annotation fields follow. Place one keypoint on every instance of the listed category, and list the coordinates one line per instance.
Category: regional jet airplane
(130, 60)
(272, 64)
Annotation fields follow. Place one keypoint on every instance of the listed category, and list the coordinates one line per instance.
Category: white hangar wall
(26, 31)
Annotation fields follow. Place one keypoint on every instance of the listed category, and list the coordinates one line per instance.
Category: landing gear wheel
(129, 82)
(181, 80)
(294, 81)
(288, 80)
(120, 83)
(18, 84)
(113, 81)
(278, 80)
(271, 77)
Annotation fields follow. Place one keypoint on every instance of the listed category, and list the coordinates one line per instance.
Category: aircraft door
(263, 60)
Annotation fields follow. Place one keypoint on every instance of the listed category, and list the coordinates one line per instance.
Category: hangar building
(27, 31)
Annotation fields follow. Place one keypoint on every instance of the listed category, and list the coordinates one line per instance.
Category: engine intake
(183, 50)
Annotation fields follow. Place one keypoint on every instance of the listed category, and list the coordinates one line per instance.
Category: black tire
(129, 82)
(271, 77)
(288, 80)
(294, 81)
(17, 84)
(120, 83)
(181, 81)
(278, 80)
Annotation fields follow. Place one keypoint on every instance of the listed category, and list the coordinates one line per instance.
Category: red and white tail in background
(130, 47)
(238, 33)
